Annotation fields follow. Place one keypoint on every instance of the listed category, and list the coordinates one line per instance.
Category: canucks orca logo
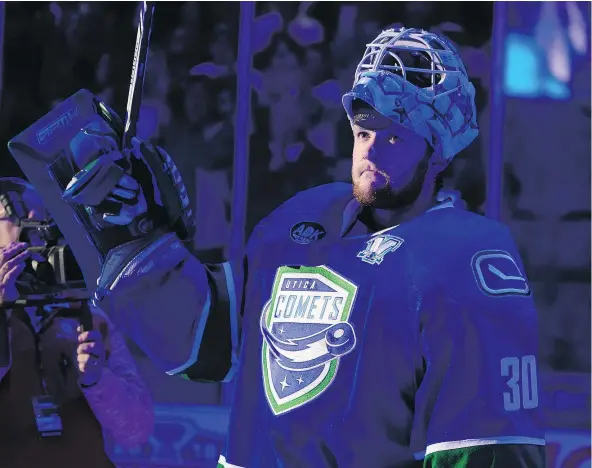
(305, 332)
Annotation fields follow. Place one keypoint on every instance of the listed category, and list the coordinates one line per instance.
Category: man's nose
(371, 148)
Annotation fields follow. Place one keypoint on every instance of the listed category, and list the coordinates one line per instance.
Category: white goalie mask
(417, 79)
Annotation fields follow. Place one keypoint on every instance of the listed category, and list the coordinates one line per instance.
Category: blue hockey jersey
(349, 347)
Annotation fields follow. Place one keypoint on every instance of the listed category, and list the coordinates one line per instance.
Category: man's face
(195, 102)
(225, 103)
(389, 162)
(9, 232)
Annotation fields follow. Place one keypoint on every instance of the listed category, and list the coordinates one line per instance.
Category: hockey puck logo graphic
(307, 232)
(306, 331)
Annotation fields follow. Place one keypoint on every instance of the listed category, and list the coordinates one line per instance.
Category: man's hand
(128, 194)
(125, 199)
(12, 264)
(139, 187)
(91, 356)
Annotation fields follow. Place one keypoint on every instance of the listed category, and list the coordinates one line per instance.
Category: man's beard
(388, 199)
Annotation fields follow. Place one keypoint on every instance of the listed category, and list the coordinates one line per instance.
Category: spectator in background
(282, 87)
(221, 129)
(221, 49)
(185, 48)
(155, 113)
(104, 89)
(190, 104)
(201, 141)
(176, 56)
(189, 37)
(89, 377)
(190, 14)
(213, 177)
(85, 24)
(56, 77)
(321, 113)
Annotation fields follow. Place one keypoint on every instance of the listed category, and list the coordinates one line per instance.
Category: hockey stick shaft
(134, 98)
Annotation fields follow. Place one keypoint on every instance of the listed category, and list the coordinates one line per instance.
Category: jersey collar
(445, 199)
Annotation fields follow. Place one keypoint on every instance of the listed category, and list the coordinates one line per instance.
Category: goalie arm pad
(182, 314)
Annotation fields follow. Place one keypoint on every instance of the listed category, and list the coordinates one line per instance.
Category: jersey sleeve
(480, 388)
(184, 315)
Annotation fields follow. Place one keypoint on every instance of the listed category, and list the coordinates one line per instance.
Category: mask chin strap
(445, 198)
(437, 163)
(449, 199)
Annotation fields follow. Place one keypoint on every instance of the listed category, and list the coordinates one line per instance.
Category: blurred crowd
(305, 55)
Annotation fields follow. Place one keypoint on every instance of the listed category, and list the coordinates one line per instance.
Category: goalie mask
(418, 80)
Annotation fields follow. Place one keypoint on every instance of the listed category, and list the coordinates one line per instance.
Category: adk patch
(307, 232)
(306, 331)
(498, 274)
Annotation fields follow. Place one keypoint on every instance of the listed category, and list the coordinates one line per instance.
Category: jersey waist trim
(222, 463)
(456, 444)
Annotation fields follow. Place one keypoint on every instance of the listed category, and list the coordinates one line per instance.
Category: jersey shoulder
(459, 230)
(315, 201)
(469, 255)
(319, 209)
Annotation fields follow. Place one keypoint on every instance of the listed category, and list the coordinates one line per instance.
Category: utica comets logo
(305, 332)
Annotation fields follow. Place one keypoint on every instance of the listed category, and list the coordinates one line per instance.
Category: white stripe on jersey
(456, 444)
(222, 462)
(231, 290)
(203, 319)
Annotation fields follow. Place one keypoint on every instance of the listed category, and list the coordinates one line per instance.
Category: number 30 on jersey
(523, 383)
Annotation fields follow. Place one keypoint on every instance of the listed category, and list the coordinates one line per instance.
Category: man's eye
(363, 135)
(393, 139)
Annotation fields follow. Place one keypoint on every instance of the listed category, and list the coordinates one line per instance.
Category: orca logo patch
(498, 274)
(307, 232)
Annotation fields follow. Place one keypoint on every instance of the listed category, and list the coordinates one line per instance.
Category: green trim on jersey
(459, 458)
(488, 456)
(222, 463)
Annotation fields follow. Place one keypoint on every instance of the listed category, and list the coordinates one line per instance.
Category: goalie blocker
(72, 156)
